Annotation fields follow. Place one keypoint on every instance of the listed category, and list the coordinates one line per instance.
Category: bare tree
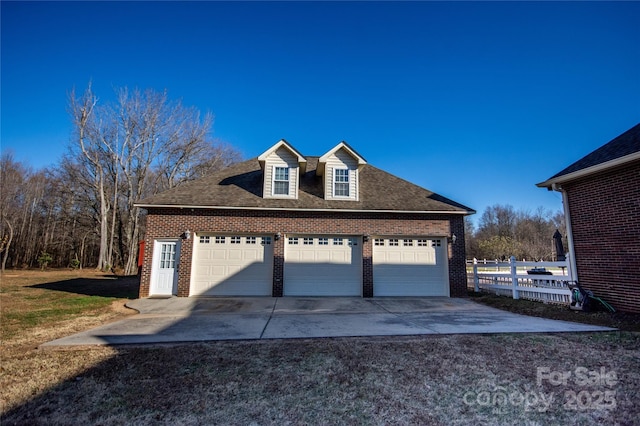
(12, 176)
(141, 144)
(90, 138)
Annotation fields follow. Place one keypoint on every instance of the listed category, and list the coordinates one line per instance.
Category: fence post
(514, 277)
(476, 279)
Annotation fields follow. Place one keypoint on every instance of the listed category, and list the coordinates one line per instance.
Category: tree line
(503, 231)
(81, 212)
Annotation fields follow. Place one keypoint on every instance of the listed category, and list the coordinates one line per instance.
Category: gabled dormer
(340, 170)
(281, 166)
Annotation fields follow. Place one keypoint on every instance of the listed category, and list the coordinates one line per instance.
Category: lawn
(568, 379)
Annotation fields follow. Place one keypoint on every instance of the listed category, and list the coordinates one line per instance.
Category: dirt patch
(619, 320)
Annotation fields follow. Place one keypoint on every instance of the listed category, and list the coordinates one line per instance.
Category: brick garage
(168, 222)
(234, 203)
(601, 194)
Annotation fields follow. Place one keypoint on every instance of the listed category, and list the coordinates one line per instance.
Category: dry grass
(390, 380)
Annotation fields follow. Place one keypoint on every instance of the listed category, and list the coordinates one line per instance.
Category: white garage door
(323, 266)
(410, 267)
(232, 265)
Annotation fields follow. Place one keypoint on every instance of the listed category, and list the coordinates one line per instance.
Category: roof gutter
(178, 206)
(589, 170)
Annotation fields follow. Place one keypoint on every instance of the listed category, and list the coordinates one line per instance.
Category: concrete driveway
(197, 319)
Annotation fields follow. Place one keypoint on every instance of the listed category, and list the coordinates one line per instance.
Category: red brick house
(284, 224)
(601, 197)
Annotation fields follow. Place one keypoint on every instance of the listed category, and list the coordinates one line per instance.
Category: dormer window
(340, 169)
(282, 167)
(281, 181)
(341, 182)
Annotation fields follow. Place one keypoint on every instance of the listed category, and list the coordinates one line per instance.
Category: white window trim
(348, 182)
(273, 181)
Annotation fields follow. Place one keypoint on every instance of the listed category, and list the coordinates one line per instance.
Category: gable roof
(344, 146)
(621, 150)
(280, 144)
(240, 187)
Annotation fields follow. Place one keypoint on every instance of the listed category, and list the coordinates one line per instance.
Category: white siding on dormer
(281, 158)
(341, 160)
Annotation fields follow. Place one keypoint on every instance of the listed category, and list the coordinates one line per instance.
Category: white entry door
(164, 280)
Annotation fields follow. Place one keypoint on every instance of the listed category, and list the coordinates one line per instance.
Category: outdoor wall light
(365, 238)
(186, 235)
(277, 236)
(453, 238)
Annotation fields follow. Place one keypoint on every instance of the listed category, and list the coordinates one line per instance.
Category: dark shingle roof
(625, 144)
(240, 186)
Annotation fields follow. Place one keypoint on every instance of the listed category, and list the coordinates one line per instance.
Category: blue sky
(476, 101)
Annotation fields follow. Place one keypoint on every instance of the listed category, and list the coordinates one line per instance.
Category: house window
(266, 241)
(251, 240)
(307, 241)
(393, 242)
(293, 241)
(205, 239)
(322, 241)
(281, 181)
(219, 240)
(341, 182)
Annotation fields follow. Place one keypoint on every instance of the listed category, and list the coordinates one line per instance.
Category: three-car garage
(318, 265)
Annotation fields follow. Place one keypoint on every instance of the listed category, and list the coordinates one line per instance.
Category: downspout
(573, 270)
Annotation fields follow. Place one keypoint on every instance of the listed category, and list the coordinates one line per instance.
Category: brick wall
(171, 223)
(605, 219)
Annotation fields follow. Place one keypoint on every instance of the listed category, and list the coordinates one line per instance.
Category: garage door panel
(323, 266)
(232, 266)
(410, 267)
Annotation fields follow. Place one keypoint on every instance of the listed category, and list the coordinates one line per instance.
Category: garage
(323, 265)
(232, 265)
(410, 267)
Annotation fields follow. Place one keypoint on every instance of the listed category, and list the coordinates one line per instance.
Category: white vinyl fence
(512, 279)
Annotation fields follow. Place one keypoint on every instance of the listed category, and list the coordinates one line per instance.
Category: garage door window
(266, 241)
(293, 241)
(219, 240)
(337, 242)
(205, 239)
(323, 241)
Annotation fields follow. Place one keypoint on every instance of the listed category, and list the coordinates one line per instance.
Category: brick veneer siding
(605, 219)
(172, 222)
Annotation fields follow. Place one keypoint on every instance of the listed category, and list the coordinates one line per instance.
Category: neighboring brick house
(285, 224)
(601, 196)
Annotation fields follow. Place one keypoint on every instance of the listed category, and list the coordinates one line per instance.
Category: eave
(554, 181)
(177, 206)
